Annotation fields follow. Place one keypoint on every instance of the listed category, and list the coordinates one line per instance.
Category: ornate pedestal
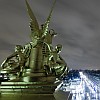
(26, 97)
(27, 90)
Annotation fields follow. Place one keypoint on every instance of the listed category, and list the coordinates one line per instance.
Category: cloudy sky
(77, 23)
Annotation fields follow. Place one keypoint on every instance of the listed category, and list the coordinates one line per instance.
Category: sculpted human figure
(49, 36)
(58, 65)
(18, 58)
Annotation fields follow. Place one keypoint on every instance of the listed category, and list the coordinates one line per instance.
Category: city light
(82, 87)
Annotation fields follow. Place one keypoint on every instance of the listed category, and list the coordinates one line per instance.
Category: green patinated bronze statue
(36, 61)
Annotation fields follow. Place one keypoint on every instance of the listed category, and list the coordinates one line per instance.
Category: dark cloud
(77, 23)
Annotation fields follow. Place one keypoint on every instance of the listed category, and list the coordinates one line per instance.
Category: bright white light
(0, 75)
(88, 82)
(5, 78)
(82, 88)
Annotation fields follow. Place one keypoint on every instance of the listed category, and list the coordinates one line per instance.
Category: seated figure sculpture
(15, 61)
(56, 65)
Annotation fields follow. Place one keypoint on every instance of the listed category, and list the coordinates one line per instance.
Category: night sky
(77, 23)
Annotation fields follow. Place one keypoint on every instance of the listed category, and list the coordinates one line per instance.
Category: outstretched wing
(46, 25)
(33, 22)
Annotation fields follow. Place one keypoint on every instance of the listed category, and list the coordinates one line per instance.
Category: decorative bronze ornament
(37, 62)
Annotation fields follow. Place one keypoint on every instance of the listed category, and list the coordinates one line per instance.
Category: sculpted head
(18, 48)
(58, 48)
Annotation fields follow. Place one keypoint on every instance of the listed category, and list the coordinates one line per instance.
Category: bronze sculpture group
(37, 58)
